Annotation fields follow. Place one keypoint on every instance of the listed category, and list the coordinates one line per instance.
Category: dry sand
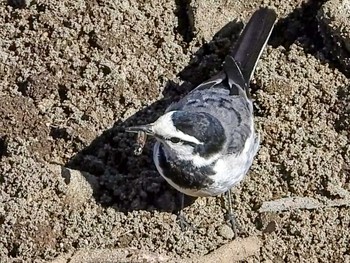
(74, 73)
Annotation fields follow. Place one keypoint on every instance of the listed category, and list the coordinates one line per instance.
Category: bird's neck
(195, 158)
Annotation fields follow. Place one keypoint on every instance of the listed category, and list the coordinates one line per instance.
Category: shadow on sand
(128, 182)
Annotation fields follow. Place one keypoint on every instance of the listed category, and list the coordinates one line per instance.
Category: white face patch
(164, 127)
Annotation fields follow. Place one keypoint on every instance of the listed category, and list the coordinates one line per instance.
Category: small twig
(290, 203)
(111, 255)
(237, 250)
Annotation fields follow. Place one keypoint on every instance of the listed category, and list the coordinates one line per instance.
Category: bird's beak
(148, 129)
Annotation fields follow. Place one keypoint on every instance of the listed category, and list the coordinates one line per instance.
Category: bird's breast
(182, 173)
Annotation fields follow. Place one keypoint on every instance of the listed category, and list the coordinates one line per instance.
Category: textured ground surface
(74, 73)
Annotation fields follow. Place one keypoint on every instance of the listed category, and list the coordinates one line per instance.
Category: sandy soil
(74, 73)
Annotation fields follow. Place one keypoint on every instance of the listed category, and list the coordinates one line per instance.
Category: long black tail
(252, 41)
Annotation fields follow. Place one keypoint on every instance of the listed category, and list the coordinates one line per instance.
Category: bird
(206, 142)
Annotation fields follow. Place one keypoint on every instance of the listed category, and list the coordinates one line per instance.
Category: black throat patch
(183, 173)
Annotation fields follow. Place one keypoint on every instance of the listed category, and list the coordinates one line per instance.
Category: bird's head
(186, 134)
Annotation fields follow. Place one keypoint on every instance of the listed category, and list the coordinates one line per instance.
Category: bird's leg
(230, 216)
(182, 220)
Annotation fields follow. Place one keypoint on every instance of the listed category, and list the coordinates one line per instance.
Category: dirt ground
(73, 74)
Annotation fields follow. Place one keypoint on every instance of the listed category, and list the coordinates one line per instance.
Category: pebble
(226, 232)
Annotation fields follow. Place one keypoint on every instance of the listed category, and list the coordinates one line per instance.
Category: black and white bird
(206, 142)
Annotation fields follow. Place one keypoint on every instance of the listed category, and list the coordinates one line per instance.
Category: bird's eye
(174, 140)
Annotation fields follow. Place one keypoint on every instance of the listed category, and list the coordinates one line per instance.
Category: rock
(80, 185)
(271, 227)
(226, 232)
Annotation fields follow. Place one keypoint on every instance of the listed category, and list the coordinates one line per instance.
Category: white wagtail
(206, 142)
